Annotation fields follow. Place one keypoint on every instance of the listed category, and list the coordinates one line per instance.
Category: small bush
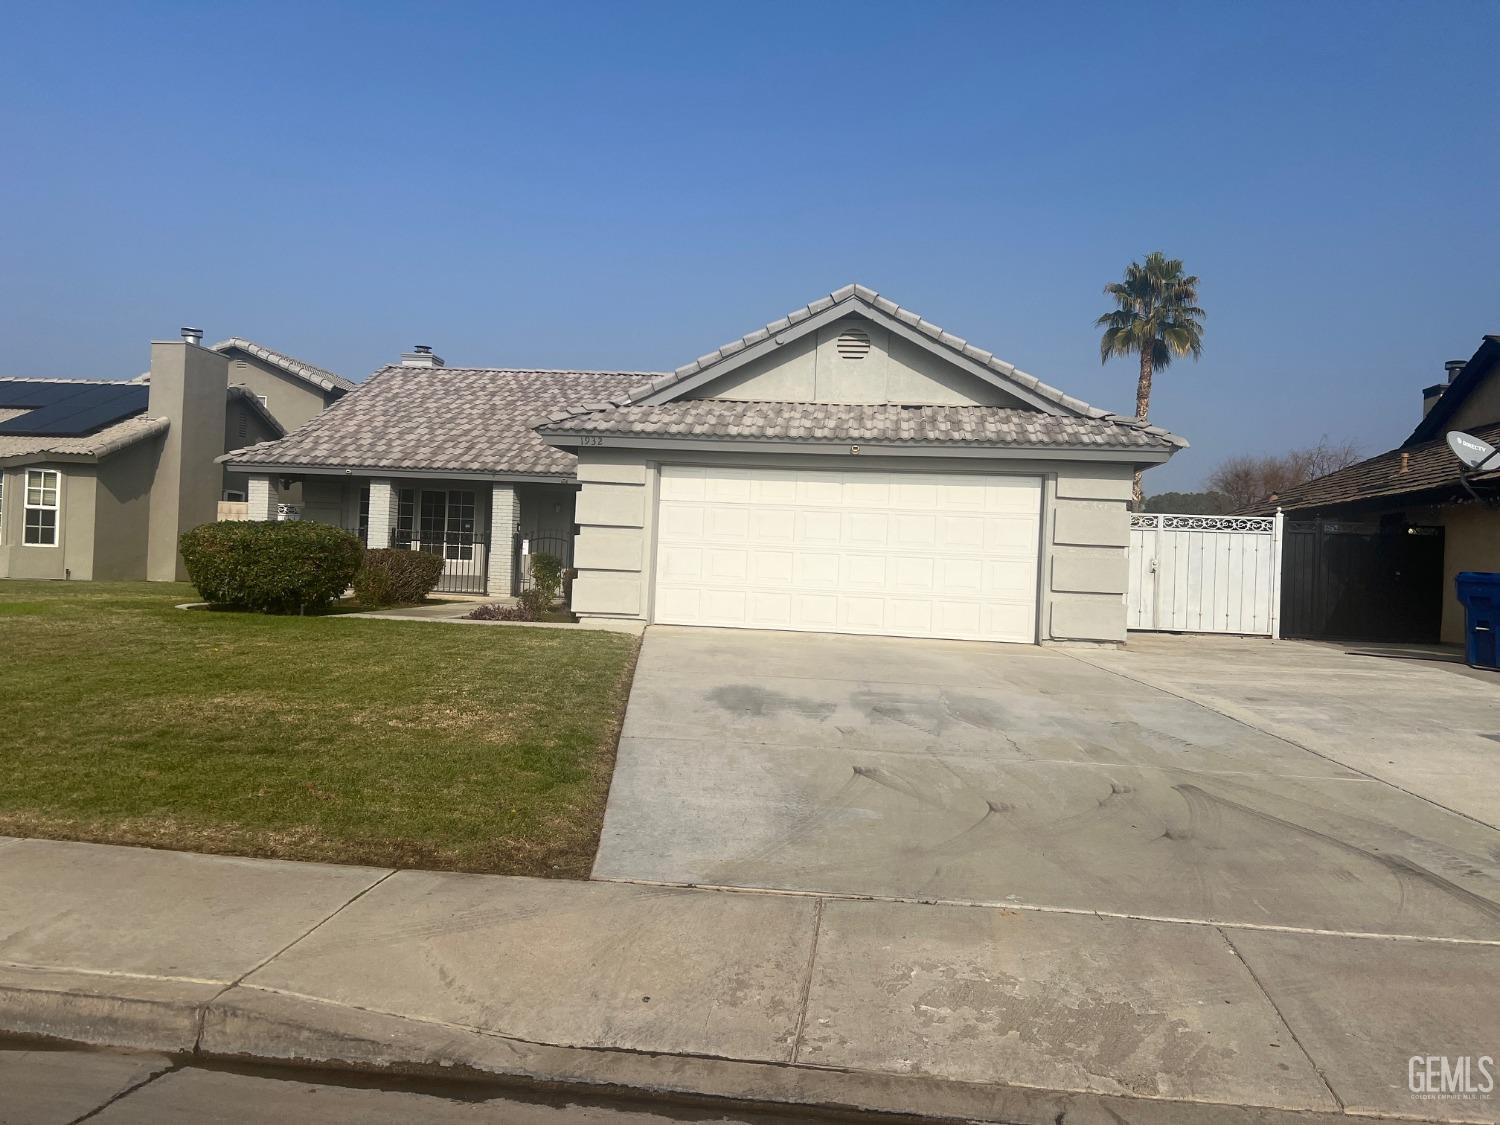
(529, 607)
(546, 576)
(276, 567)
(391, 576)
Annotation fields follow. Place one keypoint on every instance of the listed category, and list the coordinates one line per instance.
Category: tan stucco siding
(1088, 558)
(615, 500)
(1481, 405)
(290, 400)
(1083, 553)
(1471, 541)
(812, 369)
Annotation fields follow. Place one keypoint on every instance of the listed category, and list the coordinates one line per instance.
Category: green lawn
(400, 743)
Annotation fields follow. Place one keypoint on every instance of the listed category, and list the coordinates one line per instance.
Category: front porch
(486, 531)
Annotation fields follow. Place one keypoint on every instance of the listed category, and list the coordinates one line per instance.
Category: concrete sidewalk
(971, 1012)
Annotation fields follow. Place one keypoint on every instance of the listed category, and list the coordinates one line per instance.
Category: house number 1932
(586, 440)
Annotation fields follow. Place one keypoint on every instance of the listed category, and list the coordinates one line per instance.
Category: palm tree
(1158, 319)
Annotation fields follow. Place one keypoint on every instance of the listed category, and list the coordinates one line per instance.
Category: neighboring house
(291, 390)
(1414, 491)
(98, 478)
(847, 468)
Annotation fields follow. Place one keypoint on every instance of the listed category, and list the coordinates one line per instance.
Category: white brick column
(505, 517)
(382, 521)
(264, 497)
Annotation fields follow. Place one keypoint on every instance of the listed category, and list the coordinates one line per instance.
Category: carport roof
(875, 424)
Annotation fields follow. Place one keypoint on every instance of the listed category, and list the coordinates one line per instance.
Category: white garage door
(900, 554)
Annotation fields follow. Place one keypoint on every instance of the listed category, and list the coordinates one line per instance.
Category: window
(405, 510)
(233, 497)
(42, 487)
(364, 514)
(2, 506)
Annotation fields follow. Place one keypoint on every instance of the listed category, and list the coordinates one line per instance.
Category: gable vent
(853, 343)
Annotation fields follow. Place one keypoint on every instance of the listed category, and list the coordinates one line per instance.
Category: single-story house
(849, 467)
(1414, 492)
(99, 477)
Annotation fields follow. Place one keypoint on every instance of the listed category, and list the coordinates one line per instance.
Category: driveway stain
(746, 699)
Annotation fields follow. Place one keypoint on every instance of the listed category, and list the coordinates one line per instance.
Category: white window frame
(27, 507)
(2, 507)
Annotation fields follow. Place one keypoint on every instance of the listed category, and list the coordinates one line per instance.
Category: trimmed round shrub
(392, 576)
(286, 566)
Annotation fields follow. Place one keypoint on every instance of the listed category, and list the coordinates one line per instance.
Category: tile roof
(855, 297)
(1425, 467)
(324, 380)
(876, 424)
(111, 439)
(450, 419)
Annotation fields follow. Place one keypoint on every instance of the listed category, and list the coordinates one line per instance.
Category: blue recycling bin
(1480, 594)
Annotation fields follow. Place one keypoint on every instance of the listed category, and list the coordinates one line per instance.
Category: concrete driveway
(1215, 780)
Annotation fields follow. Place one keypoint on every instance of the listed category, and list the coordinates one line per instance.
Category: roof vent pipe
(421, 355)
(193, 336)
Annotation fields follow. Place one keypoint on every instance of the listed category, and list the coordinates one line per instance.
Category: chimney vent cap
(1455, 368)
(421, 355)
(193, 335)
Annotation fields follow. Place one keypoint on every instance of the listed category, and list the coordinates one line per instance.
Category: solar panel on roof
(20, 394)
(88, 408)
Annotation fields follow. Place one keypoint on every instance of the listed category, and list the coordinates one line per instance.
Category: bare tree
(1249, 479)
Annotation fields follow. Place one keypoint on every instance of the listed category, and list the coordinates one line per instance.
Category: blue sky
(630, 185)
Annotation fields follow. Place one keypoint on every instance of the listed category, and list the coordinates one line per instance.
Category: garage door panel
(681, 562)
(683, 484)
(773, 568)
(868, 571)
(728, 488)
(918, 554)
(913, 574)
(914, 532)
(823, 490)
(960, 576)
(726, 607)
(726, 523)
(962, 533)
(727, 566)
(815, 611)
(867, 529)
(812, 569)
(822, 525)
(773, 525)
(681, 522)
(1015, 535)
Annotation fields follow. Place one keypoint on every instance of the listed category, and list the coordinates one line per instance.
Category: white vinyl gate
(1205, 574)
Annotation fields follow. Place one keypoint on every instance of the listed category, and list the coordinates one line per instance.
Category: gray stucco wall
(122, 505)
(242, 426)
(290, 400)
(812, 369)
(1083, 553)
(189, 388)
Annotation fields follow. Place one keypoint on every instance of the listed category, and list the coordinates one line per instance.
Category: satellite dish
(1473, 452)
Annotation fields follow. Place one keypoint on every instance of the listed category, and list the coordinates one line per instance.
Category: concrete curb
(251, 1024)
